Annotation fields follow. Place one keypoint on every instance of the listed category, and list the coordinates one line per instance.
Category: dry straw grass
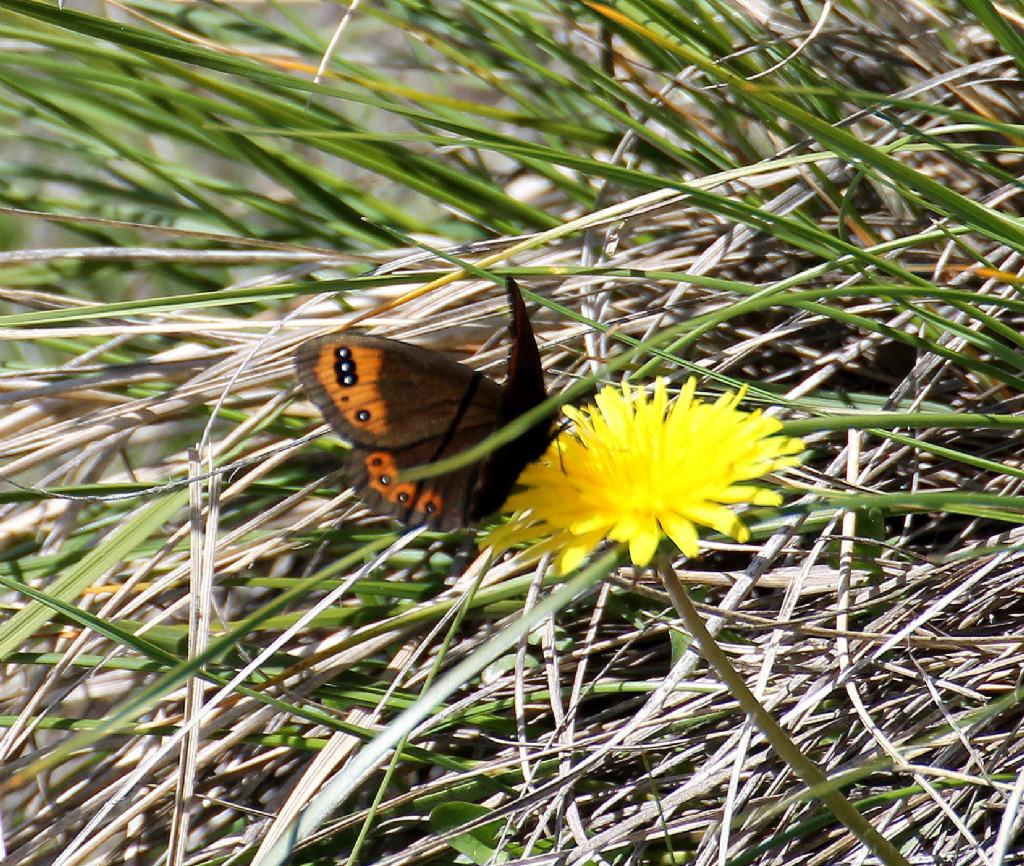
(883, 631)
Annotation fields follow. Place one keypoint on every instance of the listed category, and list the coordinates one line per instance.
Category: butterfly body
(401, 405)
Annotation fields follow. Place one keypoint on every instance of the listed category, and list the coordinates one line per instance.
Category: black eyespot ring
(349, 379)
(403, 497)
(385, 480)
(362, 415)
(343, 353)
(430, 508)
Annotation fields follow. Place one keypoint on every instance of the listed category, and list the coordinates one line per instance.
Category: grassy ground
(821, 202)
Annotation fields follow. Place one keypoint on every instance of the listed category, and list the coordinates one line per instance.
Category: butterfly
(401, 405)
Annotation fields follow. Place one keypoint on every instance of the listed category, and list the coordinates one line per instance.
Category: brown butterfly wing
(382, 393)
(402, 406)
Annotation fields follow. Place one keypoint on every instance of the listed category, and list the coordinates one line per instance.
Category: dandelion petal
(637, 465)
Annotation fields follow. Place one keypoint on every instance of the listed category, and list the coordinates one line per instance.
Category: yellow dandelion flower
(636, 466)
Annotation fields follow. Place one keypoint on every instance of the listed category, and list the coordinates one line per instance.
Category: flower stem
(809, 772)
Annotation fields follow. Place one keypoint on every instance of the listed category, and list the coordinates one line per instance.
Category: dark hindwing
(442, 502)
(524, 389)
